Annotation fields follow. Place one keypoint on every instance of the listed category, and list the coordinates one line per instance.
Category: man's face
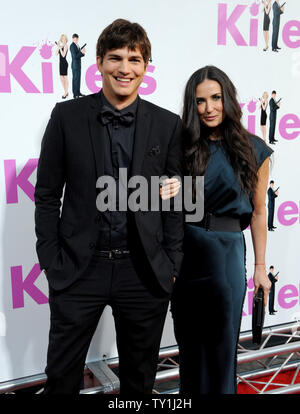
(122, 73)
(271, 185)
(75, 40)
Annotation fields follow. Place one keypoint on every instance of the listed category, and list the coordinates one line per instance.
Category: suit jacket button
(92, 245)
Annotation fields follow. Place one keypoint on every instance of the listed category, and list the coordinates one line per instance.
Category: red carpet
(282, 378)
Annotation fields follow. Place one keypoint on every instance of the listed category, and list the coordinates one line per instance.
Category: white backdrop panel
(184, 37)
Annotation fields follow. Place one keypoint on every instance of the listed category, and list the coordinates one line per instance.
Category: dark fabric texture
(118, 139)
(271, 206)
(208, 296)
(273, 115)
(63, 64)
(76, 68)
(263, 117)
(139, 312)
(71, 160)
(276, 23)
(273, 280)
(207, 306)
(74, 154)
(223, 195)
(266, 22)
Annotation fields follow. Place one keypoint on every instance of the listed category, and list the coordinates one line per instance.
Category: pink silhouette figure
(252, 106)
(254, 9)
(46, 49)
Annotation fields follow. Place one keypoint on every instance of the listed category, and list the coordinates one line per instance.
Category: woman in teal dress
(209, 293)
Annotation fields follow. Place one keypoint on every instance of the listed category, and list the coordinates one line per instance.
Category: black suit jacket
(71, 160)
(76, 56)
(271, 197)
(272, 278)
(276, 15)
(273, 107)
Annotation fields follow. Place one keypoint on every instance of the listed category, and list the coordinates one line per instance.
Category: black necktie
(108, 115)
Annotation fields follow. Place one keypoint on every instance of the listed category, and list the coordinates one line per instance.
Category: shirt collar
(132, 107)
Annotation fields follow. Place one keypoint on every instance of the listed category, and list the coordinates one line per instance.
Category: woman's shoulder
(257, 142)
(261, 149)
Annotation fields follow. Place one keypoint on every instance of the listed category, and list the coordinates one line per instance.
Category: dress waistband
(210, 222)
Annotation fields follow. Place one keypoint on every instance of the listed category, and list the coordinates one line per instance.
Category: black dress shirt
(119, 140)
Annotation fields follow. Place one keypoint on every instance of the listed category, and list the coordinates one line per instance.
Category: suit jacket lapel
(141, 137)
(95, 128)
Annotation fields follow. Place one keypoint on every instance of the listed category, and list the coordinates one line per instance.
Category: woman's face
(63, 39)
(209, 103)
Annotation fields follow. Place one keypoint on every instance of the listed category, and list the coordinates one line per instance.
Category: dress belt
(113, 254)
(210, 222)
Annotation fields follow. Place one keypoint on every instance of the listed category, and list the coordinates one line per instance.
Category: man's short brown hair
(122, 33)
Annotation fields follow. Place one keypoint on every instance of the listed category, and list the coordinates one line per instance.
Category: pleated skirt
(206, 306)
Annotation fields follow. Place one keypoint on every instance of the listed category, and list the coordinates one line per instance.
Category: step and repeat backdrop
(185, 36)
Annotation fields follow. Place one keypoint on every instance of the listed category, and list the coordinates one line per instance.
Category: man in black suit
(271, 205)
(277, 11)
(127, 260)
(273, 279)
(274, 106)
(77, 54)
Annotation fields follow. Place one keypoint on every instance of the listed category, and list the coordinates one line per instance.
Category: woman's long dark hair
(236, 139)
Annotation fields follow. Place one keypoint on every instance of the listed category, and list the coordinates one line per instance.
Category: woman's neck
(215, 134)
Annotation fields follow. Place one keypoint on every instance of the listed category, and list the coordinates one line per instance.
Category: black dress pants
(271, 299)
(139, 314)
(275, 33)
(272, 127)
(270, 217)
(76, 75)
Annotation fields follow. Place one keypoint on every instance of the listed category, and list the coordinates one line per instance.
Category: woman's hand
(170, 188)
(261, 279)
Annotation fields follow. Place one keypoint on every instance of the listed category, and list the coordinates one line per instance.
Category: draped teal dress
(209, 293)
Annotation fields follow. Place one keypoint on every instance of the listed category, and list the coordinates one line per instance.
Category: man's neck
(118, 102)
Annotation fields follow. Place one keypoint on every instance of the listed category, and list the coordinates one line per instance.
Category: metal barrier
(283, 352)
(266, 356)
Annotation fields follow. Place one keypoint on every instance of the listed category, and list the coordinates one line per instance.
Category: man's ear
(99, 64)
(146, 67)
